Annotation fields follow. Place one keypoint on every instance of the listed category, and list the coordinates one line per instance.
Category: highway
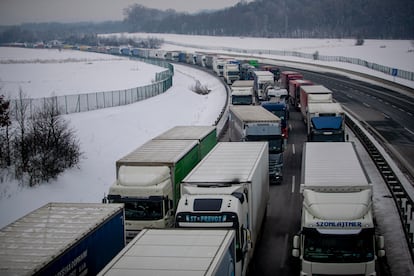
(273, 254)
(389, 113)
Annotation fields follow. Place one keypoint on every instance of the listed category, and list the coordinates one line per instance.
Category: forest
(360, 19)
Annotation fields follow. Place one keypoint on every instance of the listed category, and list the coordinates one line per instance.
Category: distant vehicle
(177, 252)
(280, 109)
(246, 70)
(242, 92)
(325, 122)
(218, 66)
(294, 91)
(287, 76)
(231, 72)
(255, 123)
(337, 235)
(63, 239)
(261, 80)
(272, 68)
(313, 94)
(229, 189)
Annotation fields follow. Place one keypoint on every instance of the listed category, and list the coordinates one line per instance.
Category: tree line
(375, 19)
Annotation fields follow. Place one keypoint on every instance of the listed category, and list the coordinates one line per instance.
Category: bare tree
(20, 142)
(5, 122)
(54, 146)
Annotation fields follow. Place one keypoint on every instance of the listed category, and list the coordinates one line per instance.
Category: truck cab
(144, 205)
(211, 206)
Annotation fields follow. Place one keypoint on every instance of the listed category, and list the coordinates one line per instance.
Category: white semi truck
(242, 92)
(262, 79)
(325, 122)
(231, 72)
(176, 252)
(337, 235)
(255, 123)
(147, 182)
(229, 189)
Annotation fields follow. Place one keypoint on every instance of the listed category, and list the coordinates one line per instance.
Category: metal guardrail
(403, 201)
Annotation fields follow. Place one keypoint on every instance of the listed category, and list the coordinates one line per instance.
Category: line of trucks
(183, 202)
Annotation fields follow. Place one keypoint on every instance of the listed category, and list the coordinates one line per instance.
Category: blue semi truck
(63, 239)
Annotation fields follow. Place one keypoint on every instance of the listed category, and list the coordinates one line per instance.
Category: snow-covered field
(108, 134)
(50, 72)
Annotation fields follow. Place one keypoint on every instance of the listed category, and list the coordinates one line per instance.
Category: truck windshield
(275, 142)
(245, 100)
(338, 248)
(327, 136)
(141, 209)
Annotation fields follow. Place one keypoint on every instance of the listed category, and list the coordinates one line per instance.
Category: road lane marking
(367, 105)
(410, 131)
(293, 184)
(293, 149)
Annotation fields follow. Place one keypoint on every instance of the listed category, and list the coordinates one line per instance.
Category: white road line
(293, 149)
(293, 184)
(367, 105)
(410, 131)
(386, 116)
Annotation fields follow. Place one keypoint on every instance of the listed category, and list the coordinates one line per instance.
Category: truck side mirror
(380, 246)
(380, 242)
(296, 242)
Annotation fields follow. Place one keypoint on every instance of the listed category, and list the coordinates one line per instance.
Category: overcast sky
(20, 11)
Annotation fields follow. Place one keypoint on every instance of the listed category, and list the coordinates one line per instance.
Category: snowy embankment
(108, 134)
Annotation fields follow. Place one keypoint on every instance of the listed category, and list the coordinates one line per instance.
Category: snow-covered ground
(51, 72)
(397, 54)
(108, 134)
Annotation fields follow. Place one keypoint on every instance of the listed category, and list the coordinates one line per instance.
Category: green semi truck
(148, 178)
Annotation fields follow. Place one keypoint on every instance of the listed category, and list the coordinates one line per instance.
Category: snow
(46, 72)
(108, 134)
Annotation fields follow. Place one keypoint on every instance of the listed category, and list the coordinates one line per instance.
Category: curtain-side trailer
(176, 252)
(63, 239)
(147, 182)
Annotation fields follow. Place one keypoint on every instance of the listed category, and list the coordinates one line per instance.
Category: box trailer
(63, 239)
(337, 235)
(229, 189)
(176, 252)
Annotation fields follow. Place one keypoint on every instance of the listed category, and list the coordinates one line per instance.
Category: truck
(229, 189)
(246, 70)
(231, 72)
(218, 65)
(177, 252)
(147, 182)
(206, 136)
(280, 109)
(325, 122)
(294, 91)
(313, 94)
(337, 235)
(63, 239)
(287, 76)
(255, 123)
(242, 92)
(275, 94)
(272, 68)
(261, 80)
